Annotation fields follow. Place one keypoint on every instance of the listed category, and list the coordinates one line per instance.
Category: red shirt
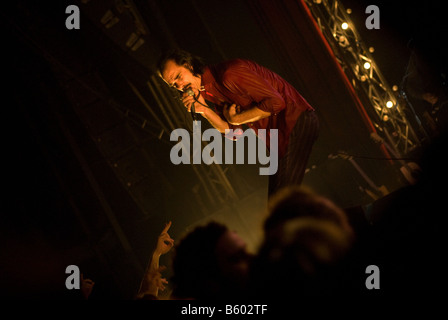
(247, 84)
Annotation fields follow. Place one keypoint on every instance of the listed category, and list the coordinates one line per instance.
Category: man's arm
(215, 120)
(200, 106)
(235, 117)
(152, 280)
(253, 85)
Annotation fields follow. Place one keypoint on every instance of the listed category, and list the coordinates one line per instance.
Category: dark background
(88, 180)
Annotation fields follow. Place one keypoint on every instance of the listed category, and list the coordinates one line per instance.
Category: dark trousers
(291, 167)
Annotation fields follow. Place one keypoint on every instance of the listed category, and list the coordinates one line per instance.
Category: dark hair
(195, 264)
(307, 253)
(299, 201)
(182, 58)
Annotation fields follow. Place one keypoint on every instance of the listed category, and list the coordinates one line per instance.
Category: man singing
(243, 92)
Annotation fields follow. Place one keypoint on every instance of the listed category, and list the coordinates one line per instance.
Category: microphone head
(189, 91)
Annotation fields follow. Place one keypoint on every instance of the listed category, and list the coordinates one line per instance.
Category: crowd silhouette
(312, 247)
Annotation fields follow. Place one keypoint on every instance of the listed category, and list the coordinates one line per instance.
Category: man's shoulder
(235, 68)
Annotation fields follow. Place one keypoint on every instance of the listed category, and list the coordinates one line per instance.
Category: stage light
(134, 41)
(335, 22)
(109, 19)
(343, 42)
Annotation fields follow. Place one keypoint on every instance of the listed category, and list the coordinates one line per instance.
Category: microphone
(190, 92)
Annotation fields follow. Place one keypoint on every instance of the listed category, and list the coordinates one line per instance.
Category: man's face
(180, 77)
